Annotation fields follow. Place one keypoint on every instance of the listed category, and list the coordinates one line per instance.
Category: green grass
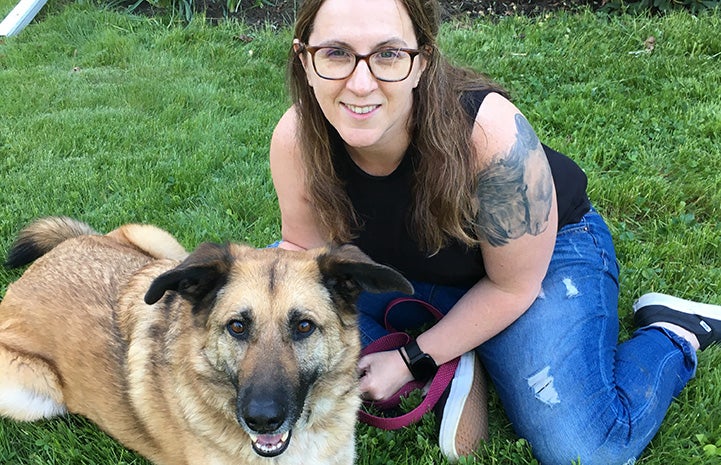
(113, 118)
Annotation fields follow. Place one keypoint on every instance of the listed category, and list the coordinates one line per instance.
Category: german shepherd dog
(229, 355)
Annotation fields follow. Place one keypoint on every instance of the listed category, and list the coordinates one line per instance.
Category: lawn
(113, 118)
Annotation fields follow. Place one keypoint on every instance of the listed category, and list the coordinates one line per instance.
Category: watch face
(424, 367)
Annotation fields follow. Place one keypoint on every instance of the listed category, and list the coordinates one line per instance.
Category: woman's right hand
(382, 374)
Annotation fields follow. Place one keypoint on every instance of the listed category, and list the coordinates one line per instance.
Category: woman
(432, 170)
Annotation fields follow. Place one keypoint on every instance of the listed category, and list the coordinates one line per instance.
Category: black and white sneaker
(704, 320)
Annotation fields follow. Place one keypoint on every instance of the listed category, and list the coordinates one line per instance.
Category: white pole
(20, 16)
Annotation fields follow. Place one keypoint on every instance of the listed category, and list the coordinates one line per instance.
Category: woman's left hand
(382, 374)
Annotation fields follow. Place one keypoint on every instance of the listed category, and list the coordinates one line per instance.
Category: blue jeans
(565, 382)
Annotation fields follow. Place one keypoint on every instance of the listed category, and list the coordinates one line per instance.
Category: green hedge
(282, 11)
(660, 6)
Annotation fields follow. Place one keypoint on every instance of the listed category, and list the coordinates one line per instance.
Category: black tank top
(383, 203)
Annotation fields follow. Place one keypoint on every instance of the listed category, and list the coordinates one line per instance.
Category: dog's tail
(41, 236)
(150, 240)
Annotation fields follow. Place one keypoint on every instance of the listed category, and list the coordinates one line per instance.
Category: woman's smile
(361, 110)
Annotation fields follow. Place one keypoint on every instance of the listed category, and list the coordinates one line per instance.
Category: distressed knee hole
(542, 386)
(571, 289)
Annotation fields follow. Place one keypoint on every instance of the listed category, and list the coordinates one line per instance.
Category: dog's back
(69, 292)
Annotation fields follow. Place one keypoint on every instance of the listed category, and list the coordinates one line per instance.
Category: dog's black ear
(203, 272)
(347, 270)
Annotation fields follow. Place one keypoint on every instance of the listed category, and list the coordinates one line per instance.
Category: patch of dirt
(282, 12)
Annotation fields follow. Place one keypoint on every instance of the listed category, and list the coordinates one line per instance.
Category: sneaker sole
(680, 305)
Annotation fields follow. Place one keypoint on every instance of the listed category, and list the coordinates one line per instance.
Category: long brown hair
(444, 205)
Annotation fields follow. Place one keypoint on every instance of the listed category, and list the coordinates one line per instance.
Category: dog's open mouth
(270, 445)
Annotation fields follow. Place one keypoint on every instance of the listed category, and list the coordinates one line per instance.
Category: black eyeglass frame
(413, 52)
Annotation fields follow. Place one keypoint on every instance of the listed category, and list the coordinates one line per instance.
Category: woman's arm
(299, 230)
(517, 224)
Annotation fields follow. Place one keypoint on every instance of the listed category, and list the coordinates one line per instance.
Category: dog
(228, 355)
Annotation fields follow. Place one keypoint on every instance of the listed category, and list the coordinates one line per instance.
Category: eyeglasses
(335, 63)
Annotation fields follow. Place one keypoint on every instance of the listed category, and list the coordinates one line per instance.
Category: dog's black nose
(264, 416)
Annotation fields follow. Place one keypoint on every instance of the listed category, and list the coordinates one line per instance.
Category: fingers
(363, 364)
(381, 375)
(368, 388)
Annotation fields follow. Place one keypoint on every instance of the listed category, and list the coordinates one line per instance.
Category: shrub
(660, 6)
(283, 11)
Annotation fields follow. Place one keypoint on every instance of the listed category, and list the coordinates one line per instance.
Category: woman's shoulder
(287, 124)
(284, 141)
(496, 126)
(284, 149)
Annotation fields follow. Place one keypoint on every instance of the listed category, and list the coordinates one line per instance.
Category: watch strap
(413, 351)
(405, 358)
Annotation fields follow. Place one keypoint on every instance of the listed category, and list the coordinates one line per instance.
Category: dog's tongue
(269, 440)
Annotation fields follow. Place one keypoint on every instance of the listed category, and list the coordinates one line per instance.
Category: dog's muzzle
(266, 421)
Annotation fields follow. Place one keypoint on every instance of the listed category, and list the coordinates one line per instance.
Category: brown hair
(444, 205)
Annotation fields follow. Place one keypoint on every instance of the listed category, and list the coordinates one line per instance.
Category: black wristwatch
(421, 365)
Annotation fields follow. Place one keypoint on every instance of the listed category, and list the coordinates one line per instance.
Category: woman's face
(368, 113)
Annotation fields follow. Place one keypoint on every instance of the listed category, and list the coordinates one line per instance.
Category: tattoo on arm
(515, 192)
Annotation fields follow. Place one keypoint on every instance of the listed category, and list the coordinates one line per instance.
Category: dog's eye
(237, 328)
(304, 328)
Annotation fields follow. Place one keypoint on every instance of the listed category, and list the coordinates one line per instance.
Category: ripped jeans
(565, 382)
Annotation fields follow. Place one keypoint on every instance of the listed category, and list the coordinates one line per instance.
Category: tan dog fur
(230, 337)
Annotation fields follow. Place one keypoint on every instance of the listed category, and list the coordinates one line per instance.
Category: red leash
(438, 384)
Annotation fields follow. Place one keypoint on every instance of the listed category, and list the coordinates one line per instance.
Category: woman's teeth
(361, 110)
